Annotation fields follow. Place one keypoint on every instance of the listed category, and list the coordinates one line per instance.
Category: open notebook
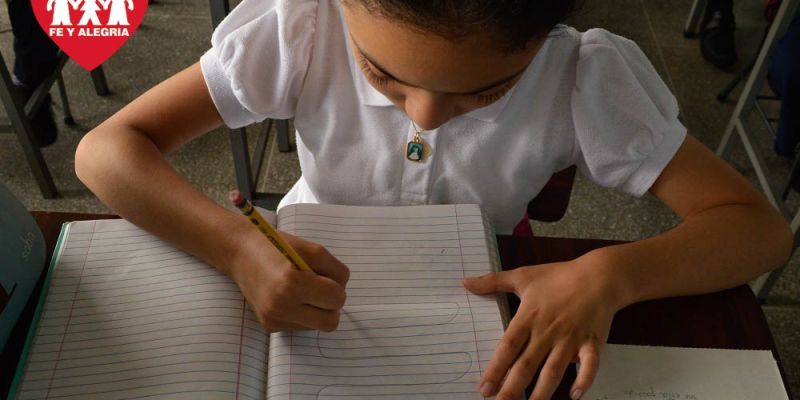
(129, 316)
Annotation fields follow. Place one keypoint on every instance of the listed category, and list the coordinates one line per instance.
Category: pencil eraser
(236, 198)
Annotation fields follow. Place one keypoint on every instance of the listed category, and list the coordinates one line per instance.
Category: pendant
(415, 149)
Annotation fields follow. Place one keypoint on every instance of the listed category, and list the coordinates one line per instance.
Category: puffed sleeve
(626, 120)
(259, 57)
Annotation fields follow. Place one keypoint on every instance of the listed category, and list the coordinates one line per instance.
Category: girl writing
(496, 96)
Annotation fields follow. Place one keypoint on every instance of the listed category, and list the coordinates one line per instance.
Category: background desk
(728, 319)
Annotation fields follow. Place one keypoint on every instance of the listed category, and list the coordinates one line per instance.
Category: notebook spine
(496, 265)
(491, 242)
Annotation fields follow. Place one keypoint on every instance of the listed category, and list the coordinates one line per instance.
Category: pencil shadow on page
(404, 345)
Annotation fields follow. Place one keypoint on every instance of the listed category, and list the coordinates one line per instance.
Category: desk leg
(22, 127)
(695, 18)
(219, 10)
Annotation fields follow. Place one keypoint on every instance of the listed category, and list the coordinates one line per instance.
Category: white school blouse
(591, 99)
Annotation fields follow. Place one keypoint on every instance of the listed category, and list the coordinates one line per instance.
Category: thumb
(490, 283)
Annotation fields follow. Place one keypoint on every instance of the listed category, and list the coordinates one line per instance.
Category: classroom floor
(176, 32)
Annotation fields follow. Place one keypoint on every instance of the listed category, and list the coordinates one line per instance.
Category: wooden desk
(728, 319)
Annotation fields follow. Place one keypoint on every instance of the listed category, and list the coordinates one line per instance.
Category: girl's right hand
(283, 297)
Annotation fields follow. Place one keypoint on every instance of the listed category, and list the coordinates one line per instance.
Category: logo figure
(118, 16)
(90, 9)
(61, 11)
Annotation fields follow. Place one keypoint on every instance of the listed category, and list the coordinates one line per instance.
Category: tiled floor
(176, 32)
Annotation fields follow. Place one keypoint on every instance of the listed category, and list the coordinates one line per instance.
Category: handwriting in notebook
(409, 328)
(649, 394)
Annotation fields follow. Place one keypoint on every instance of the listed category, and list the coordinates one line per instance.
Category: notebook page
(129, 316)
(409, 330)
(675, 373)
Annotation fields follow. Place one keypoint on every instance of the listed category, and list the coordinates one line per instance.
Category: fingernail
(486, 389)
(576, 394)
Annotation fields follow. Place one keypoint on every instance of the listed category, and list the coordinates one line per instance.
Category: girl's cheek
(393, 94)
(396, 96)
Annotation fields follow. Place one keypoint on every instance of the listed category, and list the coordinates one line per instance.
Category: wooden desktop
(730, 319)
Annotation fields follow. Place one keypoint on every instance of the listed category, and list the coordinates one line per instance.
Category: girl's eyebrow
(497, 83)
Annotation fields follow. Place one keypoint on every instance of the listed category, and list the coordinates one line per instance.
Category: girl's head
(437, 59)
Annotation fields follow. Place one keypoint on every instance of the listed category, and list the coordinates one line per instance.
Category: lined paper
(409, 329)
(675, 373)
(129, 316)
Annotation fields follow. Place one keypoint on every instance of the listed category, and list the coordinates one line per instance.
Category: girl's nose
(428, 110)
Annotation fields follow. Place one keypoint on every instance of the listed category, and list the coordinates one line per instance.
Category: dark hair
(514, 22)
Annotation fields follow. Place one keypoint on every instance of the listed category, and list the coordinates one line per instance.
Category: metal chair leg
(37, 98)
(219, 9)
(99, 80)
(722, 96)
(246, 179)
(62, 94)
(283, 136)
(260, 150)
(695, 18)
(241, 162)
(22, 127)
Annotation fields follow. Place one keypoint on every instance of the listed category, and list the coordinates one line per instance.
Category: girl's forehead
(431, 61)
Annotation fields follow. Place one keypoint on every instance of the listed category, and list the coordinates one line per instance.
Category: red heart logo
(89, 31)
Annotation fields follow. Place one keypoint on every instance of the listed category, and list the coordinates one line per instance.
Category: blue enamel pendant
(415, 149)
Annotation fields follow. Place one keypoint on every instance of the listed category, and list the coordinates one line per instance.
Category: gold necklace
(415, 149)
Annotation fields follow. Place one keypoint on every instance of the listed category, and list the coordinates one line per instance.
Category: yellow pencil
(255, 217)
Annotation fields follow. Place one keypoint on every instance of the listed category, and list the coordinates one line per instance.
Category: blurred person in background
(784, 79)
(36, 58)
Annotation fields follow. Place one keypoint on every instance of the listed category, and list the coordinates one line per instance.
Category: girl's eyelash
(383, 81)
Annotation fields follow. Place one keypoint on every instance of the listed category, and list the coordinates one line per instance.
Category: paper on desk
(673, 373)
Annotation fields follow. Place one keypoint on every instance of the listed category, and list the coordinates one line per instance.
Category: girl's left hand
(565, 315)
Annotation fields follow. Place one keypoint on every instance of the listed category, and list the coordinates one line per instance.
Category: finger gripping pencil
(271, 233)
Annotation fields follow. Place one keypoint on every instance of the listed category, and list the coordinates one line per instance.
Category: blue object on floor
(22, 260)
(784, 79)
